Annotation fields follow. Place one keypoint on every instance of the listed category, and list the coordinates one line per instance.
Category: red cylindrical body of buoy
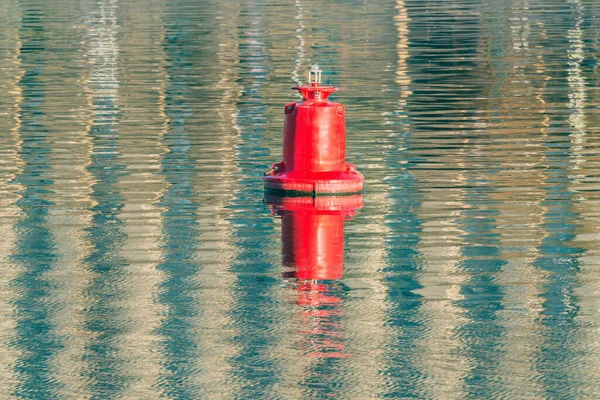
(314, 137)
(314, 147)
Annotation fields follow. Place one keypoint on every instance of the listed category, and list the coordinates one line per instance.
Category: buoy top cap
(314, 90)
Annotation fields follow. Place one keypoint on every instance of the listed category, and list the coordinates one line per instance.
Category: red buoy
(314, 146)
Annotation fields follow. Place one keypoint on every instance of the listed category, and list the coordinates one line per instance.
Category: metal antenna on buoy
(314, 75)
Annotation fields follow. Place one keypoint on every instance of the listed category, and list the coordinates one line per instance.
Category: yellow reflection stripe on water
(521, 214)
(141, 187)
(101, 91)
(577, 90)
(215, 329)
(440, 350)
(11, 164)
(443, 358)
(587, 294)
(584, 184)
(401, 20)
(69, 217)
(365, 322)
(215, 301)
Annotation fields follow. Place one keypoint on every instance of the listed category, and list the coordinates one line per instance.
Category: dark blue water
(138, 259)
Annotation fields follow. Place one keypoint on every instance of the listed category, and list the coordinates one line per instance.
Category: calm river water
(138, 259)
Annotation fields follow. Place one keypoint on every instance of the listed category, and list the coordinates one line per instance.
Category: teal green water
(137, 259)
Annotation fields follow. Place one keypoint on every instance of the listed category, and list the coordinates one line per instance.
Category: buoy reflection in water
(312, 235)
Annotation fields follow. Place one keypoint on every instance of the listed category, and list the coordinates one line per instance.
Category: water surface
(138, 260)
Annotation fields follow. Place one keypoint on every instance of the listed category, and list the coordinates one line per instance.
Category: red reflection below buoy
(312, 235)
(314, 146)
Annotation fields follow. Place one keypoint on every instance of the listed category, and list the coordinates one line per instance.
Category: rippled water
(138, 260)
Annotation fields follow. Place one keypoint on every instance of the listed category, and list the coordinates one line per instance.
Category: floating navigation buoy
(314, 146)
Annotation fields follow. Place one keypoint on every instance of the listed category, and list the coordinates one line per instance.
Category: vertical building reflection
(11, 166)
(191, 361)
(383, 323)
(102, 318)
(519, 203)
(371, 338)
(214, 187)
(68, 120)
(576, 82)
(442, 357)
(254, 320)
(401, 20)
(180, 230)
(584, 162)
(443, 110)
(141, 188)
(34, 249)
